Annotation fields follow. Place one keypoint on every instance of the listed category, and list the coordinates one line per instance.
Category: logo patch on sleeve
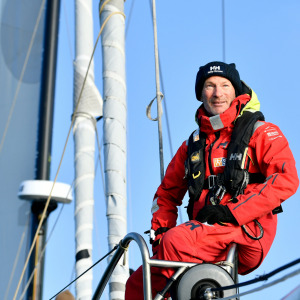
(219, 162)
(272, 133)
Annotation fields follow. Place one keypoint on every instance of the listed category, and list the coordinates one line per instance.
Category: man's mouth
(218, 103)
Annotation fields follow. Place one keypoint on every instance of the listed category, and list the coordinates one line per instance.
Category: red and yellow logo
(219, 162)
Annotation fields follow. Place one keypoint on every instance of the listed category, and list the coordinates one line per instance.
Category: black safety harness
(235, 177)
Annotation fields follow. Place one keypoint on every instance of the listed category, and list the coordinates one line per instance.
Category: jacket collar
(209, 124)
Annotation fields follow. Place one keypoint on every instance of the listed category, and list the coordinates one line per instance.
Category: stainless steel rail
(147, 263)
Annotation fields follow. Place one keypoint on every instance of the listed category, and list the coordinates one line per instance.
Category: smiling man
(237, 168)
(217, 95)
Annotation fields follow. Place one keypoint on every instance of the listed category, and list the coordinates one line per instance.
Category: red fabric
(268, 153)
(196, 242)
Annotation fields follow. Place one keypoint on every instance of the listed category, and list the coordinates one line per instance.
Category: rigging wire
(169, 133)
(167, 117)
(46, 243)
(281, 279)
(129, 197)
(102, 178)
(129, 18)
(64, 150)
(223, 28)
(43, 250)
(101, 172)
(17, 258)
(7, 125)
(100, 161)
(158, 92)
(259, 278)
(68, 29)
(164, 103)
(12, 108)
(73, 274)
(91, 267)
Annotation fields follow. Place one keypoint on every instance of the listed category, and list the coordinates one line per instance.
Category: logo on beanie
(215, 69)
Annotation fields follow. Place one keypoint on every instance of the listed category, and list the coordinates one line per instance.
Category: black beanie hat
(217, 68)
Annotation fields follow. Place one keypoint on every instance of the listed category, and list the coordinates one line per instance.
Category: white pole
(114, 122)
(89, 107)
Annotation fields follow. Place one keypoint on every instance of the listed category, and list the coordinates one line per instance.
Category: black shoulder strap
(237, 150)
(195, 168)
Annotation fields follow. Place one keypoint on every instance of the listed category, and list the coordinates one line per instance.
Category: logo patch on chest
(219, 162)
(195, 157)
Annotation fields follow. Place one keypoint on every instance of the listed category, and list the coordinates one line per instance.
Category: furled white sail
(85, 111)
(22, 30)
(114, 122)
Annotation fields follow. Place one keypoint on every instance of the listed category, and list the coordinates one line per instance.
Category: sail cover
(22, 28)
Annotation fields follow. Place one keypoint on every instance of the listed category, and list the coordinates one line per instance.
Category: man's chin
(217, 111)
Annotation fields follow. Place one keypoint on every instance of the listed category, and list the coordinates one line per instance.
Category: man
(238, 170)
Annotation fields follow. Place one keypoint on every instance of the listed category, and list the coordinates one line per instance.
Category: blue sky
(261, 37)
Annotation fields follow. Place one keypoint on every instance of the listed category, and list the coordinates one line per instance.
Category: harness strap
(219, 179)
(161, 230)
(153, 234)
(195, 169)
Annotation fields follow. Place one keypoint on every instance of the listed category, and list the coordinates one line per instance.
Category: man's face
(217, 94)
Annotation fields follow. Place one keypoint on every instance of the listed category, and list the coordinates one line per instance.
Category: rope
(158, 93)
(22, 75)
(102, 6)
(148, 110)
(115, 248)
(125, 252)
(292, 274)
(11, 112)
(17, 258)
(64, 150)
(260, 278)
(45, 246)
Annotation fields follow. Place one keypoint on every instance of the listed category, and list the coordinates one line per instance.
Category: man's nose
(218, 91)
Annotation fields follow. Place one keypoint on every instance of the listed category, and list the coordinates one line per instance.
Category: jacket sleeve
(276, 162)
(170, 193)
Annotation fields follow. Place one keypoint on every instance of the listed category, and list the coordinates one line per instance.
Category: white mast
(90, 106)
(114, 118)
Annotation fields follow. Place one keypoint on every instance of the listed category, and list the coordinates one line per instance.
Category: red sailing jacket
(269, 154)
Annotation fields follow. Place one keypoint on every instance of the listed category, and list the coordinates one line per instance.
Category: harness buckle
(197, 175)
(218, 195)
(211, 181)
